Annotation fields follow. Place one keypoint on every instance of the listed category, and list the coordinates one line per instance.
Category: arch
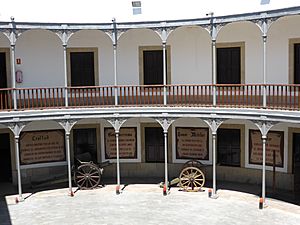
(282, 36)
(130, 47)
(4, 40)
(282, 22)
(100, 44)
(237, 26)
(139, 30)
(39, 49)
(191, 55)
(89, 34)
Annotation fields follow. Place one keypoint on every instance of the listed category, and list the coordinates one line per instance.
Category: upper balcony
(239, 61)
(282, 97)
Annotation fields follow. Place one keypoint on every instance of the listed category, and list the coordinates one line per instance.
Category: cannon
(87, 175)
(191, 177)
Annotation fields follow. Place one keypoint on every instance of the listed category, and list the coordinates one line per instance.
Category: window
(151, 65)
(229, 147)
(154, 144)
(85, 144)
(82, 67)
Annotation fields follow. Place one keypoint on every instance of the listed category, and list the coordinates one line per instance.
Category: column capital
(165, 122)
(264, 126)
(213, 124)
(67, 124)
(117, 123)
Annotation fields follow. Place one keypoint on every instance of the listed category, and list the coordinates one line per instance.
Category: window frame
(141, 61)
(96, 67)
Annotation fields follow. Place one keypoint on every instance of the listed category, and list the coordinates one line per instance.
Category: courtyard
(144, 204)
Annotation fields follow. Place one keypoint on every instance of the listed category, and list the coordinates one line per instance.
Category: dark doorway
(229, 147)
(297, 63)
(5, 158)
(85, 144)
(82, 69)
(154, 144)
(3, 72)
(153, 67)
(229, 65)
(296, 161)
(3, 81)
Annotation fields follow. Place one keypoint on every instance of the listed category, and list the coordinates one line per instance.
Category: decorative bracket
(264, 126)
(213, 124)
(67, 125)
(264, 24)
(64, 34)
(165, 123)
(16, 128)
(164, 31)
(117, 123)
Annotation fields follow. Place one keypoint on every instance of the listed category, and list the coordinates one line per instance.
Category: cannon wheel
(87, 176)
(192, 163)
(191, 178)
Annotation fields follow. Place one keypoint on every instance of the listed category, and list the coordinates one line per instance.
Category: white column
(264, 71)
(214, 134)
(214, 70)
(13, 77)
(166, 158)
(69, 162)
(115, 73)
(264, 140)
(164, 72)
(65, 75)
(18, 167)
(118, 162)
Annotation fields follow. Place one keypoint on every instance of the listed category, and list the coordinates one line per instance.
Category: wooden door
(229, 147)
(5, 158)
(154, 144)
(82, 69)
(297, 63)
(296, 161)
(3, 81)
(153, 67)
(229, 65)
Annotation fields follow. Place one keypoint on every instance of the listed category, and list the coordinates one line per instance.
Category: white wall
(191, 56)
(4, 42)
(41, 53)
(278, 48)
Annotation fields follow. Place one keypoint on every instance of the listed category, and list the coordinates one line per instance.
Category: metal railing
(278, 96)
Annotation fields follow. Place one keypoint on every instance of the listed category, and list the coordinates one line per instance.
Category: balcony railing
(285, 97)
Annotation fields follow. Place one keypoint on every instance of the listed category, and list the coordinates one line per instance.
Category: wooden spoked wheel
(191, 178)
(192, 163)
(87, 176)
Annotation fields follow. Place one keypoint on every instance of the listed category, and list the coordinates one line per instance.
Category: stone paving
(144, 204)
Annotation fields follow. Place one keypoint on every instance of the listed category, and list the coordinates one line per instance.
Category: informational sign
(42, 146)
(274, 144)
(127, 143)
(191, 143)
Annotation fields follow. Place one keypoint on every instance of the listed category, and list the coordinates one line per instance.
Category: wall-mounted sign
(127, 143)
(275, 142)
(192, 143)
(42, 146)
